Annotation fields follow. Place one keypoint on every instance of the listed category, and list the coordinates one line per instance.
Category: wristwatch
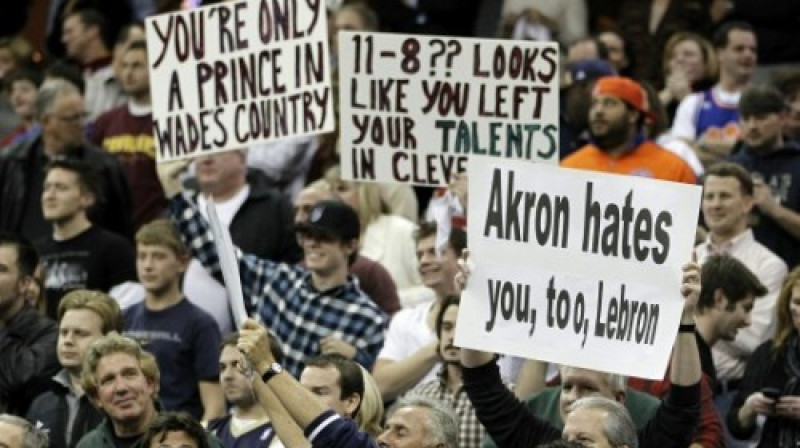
(273, 370)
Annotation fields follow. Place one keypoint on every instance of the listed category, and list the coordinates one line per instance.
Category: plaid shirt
(470, 430)
(285, 299)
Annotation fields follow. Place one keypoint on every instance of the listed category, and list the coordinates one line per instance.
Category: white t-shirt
(198, 285)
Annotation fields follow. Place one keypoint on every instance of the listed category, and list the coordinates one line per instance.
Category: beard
(615, 135)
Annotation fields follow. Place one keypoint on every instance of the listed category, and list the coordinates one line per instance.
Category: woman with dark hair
(770, 389)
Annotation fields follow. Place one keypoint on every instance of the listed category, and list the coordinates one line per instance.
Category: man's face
(216, 172)
(616, 50)
(62, 196)
(11, 282)
(729, 321)
(406, 428)
(586, 426)
(123, 391)
(134, 76)
(579, 383)
(76, 332)
(324, 256)
(75, 37)
(236, 387)
(324, 383)
(739, 57)
(725, 206)
(762, 132)
(449, 353)
(63, 123)
(11, 435)
(158, 267)
(23, 97)
(610, 121)
(173, 439)
(437, 271)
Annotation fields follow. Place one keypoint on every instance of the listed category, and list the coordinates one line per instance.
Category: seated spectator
(28, 339)
(175, 429)
(336, 381)
(770, 392)
(23, 84)
(16, 432)
(78, 254)
(65, 411)
(182, 337)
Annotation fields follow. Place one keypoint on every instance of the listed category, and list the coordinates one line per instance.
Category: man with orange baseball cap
(616, 119)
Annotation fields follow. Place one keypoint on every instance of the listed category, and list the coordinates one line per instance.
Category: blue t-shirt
(185, 341)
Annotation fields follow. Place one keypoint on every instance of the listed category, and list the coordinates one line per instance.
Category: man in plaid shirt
(312, 310)
(446, 388)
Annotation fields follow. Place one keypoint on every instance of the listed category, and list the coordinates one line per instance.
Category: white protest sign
(232, 74)
(413, 108)
(576, 267)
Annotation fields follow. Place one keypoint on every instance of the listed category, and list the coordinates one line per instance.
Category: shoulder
(579, 159)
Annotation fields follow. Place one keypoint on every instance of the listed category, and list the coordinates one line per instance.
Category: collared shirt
(470, 430)
(285, 299)
(730, 357)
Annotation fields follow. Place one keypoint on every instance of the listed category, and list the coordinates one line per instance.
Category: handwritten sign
(414, 108)
(576, 267)
(232, 74)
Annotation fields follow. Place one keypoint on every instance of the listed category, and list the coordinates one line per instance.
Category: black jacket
(27, 359)
(52, 410)
(111, 211)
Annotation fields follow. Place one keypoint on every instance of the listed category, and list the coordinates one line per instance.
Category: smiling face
(437, 270)
(77, 330)
(731, 318)
(725, 206)
(324, 256)
(123, 391)
(738, 58)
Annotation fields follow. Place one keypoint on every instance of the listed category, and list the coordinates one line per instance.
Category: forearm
(531, 378)
(395, 377)
(475, 358)
(213, 400)
(785, 217)
(288, 431)
(685, 367)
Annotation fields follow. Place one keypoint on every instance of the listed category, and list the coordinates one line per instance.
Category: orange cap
(625, 89)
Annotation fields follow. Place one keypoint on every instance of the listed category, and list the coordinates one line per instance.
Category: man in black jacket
(60, 110)
(27, 339)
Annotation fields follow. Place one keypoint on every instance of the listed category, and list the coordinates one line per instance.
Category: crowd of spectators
(115, 328)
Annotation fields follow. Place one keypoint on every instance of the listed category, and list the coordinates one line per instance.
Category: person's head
(438, 266)
(85, 30)
(221, 174)
(618, 53)
(618, 110)
(60, 109)
(788, 82)
(63, 70)
(236, 386)
(691, 53)
(16, 432)
(363, 197)
(336, 381)
(121, 379)
(15, 53)
(83, 317)
(70, 189)
(24, 84)
(305, 200)
(329, 237)
(735, 45)
(134, 76)
(420, 422)
(587, 48)
(600, 422)
(18, 261)
(161, 257)
(446, 330)
(729, 291)
(355, 17)
(727, 200)
(175, 430)
(370, 414)
(127, 34)
(787, 310)
(763, 111)
(577, 383)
